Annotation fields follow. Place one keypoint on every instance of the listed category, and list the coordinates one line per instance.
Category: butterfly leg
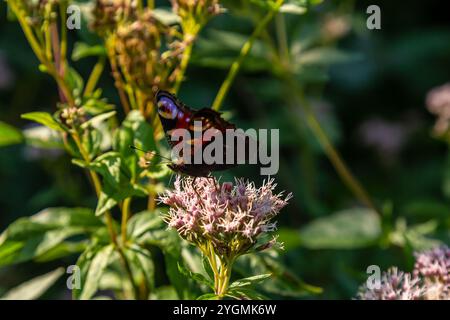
(215, 182)
(196, 192)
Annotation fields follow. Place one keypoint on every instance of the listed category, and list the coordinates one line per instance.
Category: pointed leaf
(34, 288)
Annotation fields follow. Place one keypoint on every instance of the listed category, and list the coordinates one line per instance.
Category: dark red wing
(175, 115)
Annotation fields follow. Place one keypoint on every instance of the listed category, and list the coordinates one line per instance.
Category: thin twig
(245, 50)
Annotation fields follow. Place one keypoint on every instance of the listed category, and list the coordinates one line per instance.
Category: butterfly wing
(172, 113)
(201, 124)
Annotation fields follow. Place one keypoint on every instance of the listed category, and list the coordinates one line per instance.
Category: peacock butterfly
(175, 115)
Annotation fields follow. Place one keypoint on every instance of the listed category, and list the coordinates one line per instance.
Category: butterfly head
(168, 107)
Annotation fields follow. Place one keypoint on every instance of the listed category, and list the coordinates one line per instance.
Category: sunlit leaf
(348, 229)
(9, 135)
(32, 237)
(34, 288)
(43, 137)
(44, 118)
(249, 281)
(82, 50)
(195, 276)
(95, 272)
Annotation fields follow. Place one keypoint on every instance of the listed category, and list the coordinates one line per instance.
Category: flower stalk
(245, 50)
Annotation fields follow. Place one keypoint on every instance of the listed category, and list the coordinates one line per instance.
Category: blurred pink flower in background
(388, 137)
(430, 279)
(434, 267)
(395, 285)
(438, 103)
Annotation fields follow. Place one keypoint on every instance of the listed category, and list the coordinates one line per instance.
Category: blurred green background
(368, 92)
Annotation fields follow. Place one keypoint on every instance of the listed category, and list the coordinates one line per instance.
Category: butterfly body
(175, 115)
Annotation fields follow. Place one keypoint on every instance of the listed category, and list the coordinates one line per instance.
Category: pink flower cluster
(434, 267)
(430, 279)
(231, 216)
(438, 103)
(395, 285)
(434, 263)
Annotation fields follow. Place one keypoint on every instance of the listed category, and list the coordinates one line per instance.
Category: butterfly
(174, 115)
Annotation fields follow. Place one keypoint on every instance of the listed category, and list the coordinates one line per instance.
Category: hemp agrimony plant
(145, 50)
(224, 221)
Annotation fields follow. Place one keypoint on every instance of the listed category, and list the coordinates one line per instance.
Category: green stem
(108, 217)
(27, 31)
(63, 49)
(333, 155)
(237, 64)
(189, 40)
(116, 74)
(224, 276)
(125, 215)
(282, 38)
(95, 76)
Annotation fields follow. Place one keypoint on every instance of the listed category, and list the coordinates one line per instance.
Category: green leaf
(95, 121)
(324, 56)
(290, 238)
(116, 181)
(74, 80)
(144, 222)
(9, 135)
(32, 237)
(208, 296)
(95, 272)
(111, 196)
(92, 142)
(142, 263)
(207, 267)
(82, 50)
(248, 294)
(195, 276)
(35, 287)
(63, 249)
(95, 104)
(249, 281)
(348, 229)
(172, 256)
(43, 118)
(293, 8)
(68, 217)
(43, 137)
(164, 293)
(84, 262)
(135, 131)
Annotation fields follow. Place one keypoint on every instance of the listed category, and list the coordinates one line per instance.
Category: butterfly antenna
(154, 153)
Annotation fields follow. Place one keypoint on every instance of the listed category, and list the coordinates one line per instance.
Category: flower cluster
(231, 217)
(138, 47)
(395, 285)
(196, 10)
(37, 11)
(434, 268)
(144, 52)
(108, 14)
(73, 116)
(438, 103)
(428, 281)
